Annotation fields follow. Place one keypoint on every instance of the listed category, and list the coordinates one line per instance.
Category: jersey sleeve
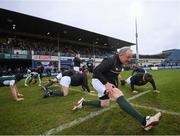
(104, 67)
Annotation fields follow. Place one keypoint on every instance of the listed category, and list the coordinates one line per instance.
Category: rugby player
(140, 79)
(76, 79)
(59, 76)
(11, 82)
(32, 75)
(138, 70)
(104, 81)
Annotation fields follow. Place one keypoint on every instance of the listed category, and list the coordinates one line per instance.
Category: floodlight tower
(136, 10)
(137, 50)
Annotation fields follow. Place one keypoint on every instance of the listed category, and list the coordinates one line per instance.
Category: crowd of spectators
(47, 47)
(9, 70)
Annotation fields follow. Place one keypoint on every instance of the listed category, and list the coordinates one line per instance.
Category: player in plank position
(11, 82)
(140, 79)
(32, 75)
(76, 79)
(59, 76)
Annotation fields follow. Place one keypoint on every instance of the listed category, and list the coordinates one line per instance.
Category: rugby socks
(95, 103)
(35, 81)
(49, 83)
(58, 93)
(124, 104)
(30, 80)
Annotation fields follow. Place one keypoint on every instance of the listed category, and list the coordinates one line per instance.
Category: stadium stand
(29, 41)
(172, 57)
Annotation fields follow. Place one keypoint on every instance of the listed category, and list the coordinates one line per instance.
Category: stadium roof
(18, 23)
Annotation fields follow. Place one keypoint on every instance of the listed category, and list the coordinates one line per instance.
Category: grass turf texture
(36, 115)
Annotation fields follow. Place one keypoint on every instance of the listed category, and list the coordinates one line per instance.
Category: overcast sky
(158, 22)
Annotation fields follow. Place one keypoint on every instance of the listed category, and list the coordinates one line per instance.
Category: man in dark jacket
(105, 83)
(77, 62)
(90, 65)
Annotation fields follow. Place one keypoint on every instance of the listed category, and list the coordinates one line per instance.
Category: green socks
(58, 93)
(95, 103)
(49, 84)
(130, 110)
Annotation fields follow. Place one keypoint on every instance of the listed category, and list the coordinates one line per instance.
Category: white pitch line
(138, 95)
(83, 119)
(75, 122)
(156, 109)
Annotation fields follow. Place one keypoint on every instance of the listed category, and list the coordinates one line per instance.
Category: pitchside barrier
(161, 67)
(146, 68)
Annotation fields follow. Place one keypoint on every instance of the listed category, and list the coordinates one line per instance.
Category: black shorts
(104, 97)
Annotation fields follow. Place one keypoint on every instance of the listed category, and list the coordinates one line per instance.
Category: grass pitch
(36, 115)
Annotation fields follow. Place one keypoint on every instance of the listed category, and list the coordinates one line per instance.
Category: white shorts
(65, 81)
(128, 81)
(9, 82)
(59, 76)
(76, 69)
(100, 88)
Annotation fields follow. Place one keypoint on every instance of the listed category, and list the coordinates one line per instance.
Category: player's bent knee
(116, 92)
(65, 94)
